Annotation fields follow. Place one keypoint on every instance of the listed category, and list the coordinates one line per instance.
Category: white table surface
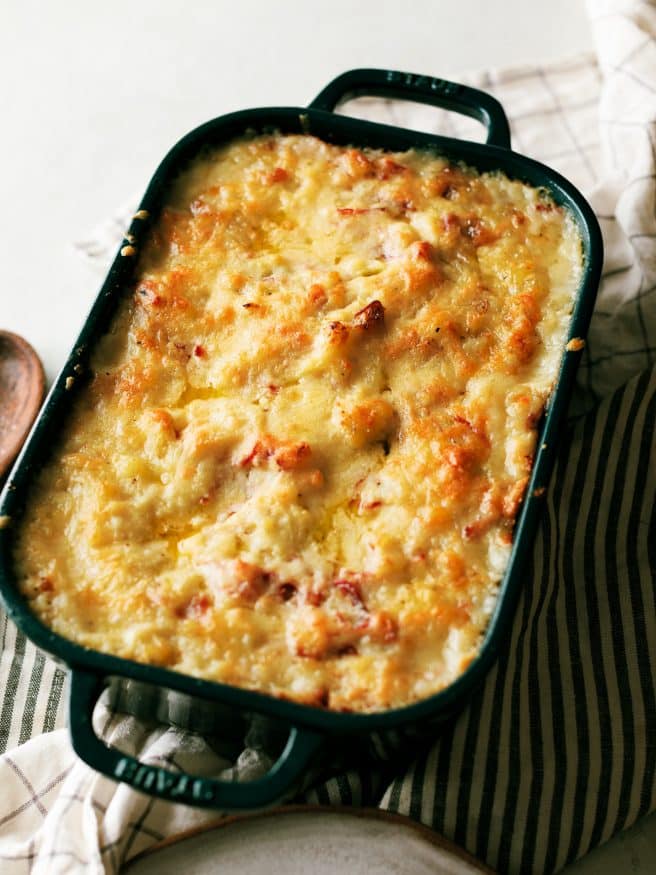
(94, 94)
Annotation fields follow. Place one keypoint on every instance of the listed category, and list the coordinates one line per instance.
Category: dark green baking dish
(306, 729)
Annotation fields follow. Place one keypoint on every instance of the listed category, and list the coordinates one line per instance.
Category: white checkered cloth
(557, 751)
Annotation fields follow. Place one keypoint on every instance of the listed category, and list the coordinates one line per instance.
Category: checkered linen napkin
(557, 750)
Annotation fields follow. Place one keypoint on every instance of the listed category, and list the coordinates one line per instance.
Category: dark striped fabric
(557, 750)
(31, 686)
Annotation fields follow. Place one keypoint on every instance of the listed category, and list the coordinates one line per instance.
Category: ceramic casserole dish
(304, 730)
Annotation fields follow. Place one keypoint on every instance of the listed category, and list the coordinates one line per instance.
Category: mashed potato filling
(309, 428)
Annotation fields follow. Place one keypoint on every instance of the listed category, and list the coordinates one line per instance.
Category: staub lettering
(152, 778)
(424, 83)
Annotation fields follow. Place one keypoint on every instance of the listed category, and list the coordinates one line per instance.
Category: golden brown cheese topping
(297, 466)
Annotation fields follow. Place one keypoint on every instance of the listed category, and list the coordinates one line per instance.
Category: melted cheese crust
(297, 466)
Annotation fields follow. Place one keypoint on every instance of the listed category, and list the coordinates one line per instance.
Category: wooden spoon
(22, 387)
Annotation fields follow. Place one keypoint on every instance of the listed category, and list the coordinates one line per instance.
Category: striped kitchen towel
(557, 750)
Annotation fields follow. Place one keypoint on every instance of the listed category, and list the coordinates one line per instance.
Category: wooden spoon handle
(22, 387)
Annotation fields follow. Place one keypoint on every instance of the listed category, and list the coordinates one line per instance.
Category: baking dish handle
(206, 792)
(421, 89)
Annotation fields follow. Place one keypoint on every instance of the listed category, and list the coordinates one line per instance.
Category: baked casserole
(297, 464)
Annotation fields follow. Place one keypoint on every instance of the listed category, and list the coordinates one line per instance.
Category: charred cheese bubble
(310, 426)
